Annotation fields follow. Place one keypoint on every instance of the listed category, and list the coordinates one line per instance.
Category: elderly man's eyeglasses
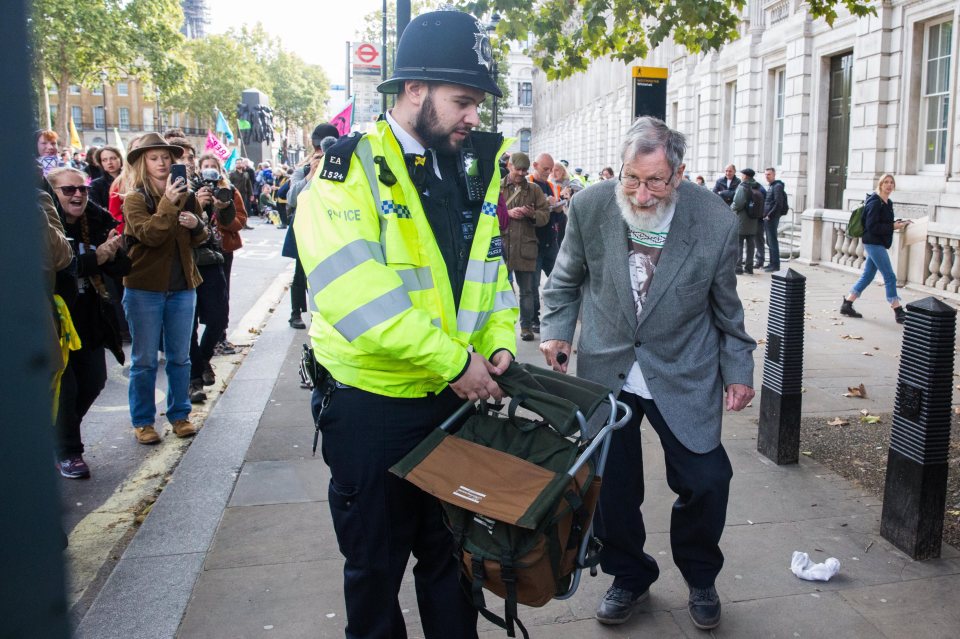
(654, 184)
(69, 191)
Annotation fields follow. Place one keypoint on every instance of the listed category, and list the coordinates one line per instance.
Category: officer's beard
(432, 136)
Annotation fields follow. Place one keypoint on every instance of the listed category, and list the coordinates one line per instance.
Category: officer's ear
(416, 91)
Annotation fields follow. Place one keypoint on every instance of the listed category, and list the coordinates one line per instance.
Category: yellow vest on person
(384, 317)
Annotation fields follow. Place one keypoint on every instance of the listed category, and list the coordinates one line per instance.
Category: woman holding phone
(164, 222)
(878, 227)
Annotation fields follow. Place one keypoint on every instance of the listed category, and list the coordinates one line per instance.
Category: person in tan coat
(528, 208)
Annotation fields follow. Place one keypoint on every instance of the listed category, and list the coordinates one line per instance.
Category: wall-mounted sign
(650, 92)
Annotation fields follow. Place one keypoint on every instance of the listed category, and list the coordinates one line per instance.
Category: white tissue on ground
(803, 567)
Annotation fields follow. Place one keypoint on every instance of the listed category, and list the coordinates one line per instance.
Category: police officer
(413, 314)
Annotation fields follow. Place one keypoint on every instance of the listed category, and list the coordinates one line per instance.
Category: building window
(779, 90)
(124, 118)
(148, 120)
(123, 88)
(525, 94)
(728, 130)
(54, 89)
(175, 120)
(74, 89)
(935, 99)
(98, 121)
(525, 140)
(53, 114)
(77, 114)
(97, 90)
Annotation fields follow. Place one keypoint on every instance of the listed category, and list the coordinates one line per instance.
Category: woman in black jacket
(111, 163)
(878, 227)
(99, 250)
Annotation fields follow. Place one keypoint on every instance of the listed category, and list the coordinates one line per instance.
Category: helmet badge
(483, 49)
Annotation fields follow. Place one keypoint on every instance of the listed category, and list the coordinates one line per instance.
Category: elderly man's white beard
(647, 219)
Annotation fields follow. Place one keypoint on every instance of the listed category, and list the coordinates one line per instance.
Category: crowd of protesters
(138, 253)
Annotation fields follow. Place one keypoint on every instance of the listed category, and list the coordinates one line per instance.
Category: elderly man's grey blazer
(690, 339)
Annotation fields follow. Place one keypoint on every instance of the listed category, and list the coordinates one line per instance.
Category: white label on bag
(469, 494)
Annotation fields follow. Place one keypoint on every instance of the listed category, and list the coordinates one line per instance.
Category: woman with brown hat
(164, 222)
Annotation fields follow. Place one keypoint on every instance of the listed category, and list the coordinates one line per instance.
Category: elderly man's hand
(738, 396)
(555, 350)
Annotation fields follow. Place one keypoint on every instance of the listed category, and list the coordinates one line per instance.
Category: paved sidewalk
(257, 557)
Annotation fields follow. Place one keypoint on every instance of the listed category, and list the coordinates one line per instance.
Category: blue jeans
(149, 314)
(877, 260)
(773, 242)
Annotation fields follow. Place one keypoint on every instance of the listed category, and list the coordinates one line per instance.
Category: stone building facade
(832, 108)
(515, 112)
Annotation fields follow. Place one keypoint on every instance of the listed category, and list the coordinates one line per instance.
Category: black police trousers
(702, 485)
(380, 519)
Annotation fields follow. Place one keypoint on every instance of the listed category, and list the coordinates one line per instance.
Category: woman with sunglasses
(100, 254)
(164, 222)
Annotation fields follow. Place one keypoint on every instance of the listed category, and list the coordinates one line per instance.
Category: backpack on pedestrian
(755, 203)
(780, 197)
(518, 491)
(855, 225)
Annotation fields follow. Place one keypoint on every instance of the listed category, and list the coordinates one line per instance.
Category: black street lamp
(159, 112)
(103, 90)
(492, 28)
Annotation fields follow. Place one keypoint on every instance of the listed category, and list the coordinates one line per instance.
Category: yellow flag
(74, 136)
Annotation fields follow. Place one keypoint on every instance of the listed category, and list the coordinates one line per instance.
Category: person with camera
(229, 231)
(100, 254)
(412, 314)
(212, 308)
(164, 223)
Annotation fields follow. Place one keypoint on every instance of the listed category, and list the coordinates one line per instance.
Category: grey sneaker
(618, 604)
(704, 607)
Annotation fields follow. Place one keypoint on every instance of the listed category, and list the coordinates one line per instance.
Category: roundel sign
(367, 53)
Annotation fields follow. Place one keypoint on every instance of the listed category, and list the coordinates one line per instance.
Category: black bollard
(916, 484)
(780, 396)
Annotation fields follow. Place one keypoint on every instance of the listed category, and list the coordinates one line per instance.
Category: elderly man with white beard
(649, 259)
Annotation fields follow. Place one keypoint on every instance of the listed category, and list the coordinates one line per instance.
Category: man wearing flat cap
(528, 208)
(412, 315)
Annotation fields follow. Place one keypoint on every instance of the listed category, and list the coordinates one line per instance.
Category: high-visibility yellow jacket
(384, 316)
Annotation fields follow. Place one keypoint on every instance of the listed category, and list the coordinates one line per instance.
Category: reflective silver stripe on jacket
(482, 271)
(347, 257)
(471, 321)
(374, 312)
(416, 279)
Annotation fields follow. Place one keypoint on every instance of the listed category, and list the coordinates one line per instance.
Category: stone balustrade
(932, 266)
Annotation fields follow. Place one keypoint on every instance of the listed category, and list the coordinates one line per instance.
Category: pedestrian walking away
(878, 227)
(775, 206)
(412, 314)
(649, 259)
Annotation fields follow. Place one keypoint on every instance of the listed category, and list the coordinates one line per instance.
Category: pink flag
(344, 120)
(215, 147)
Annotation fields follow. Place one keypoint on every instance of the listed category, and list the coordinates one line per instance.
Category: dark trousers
(773, 242)
(527, 283)
(380, 519)
(546, 258)
(227, 268)
(758, 242)
(749, 241)
(212, 312)
(282, 212)
(298, 290)
(81, 384)
(702, 485)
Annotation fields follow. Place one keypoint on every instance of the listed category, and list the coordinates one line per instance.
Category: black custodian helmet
(444, 46)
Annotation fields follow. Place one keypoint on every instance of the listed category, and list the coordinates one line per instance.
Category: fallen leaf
(837, 421)
(856, 391)
(867, 353)
(762, 340)
(864, 411)
(851, 337)
(955, 513)
(956, 410)
(806, 452)
(869, 419)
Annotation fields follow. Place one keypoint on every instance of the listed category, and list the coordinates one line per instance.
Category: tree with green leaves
(74, 42)
(570, 34)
